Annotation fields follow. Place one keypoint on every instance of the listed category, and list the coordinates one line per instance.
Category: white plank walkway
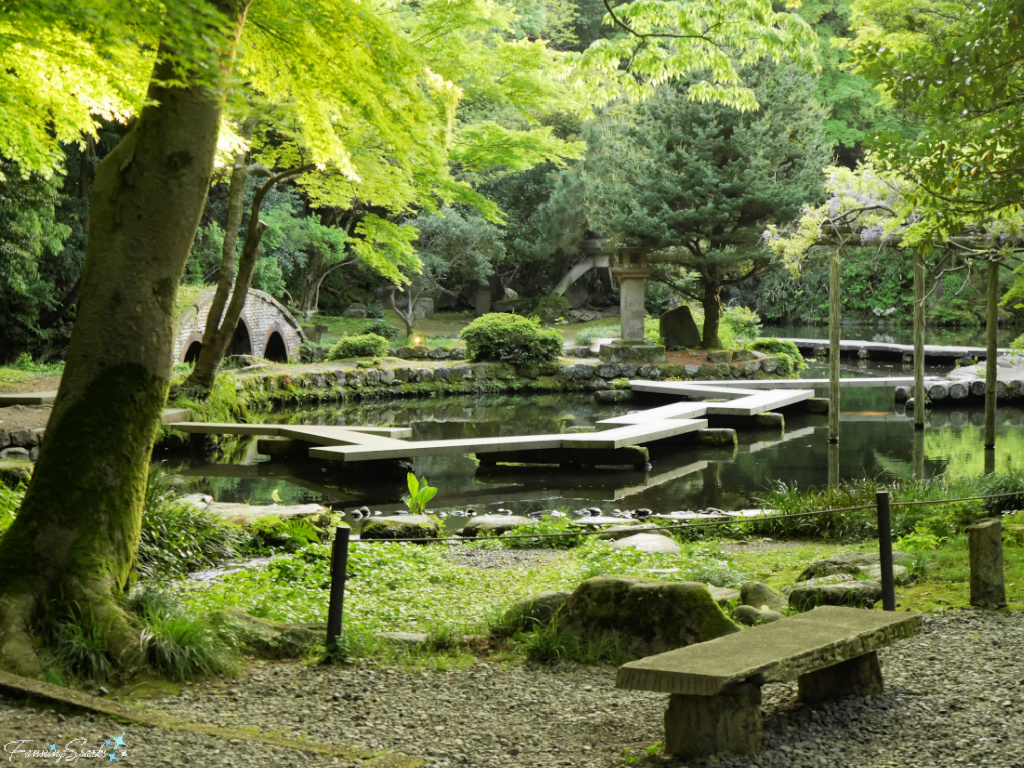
(739, 401)
(882, 349)
(356, 444)
(863, 381)
(683, 410)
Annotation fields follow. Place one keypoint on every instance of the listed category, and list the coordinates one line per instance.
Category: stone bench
(715, 687)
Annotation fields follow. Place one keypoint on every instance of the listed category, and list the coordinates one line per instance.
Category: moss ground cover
(401, 587)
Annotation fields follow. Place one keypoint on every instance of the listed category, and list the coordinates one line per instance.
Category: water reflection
(877, 441)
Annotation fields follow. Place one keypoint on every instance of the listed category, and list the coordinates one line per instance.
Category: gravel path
(955, 697)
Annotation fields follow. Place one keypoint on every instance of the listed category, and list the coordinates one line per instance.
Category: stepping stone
(648, 542)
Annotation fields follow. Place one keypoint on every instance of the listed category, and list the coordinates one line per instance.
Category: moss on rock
(650, 616)
(402, 527)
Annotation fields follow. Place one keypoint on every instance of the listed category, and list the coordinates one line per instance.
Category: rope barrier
(681, 526)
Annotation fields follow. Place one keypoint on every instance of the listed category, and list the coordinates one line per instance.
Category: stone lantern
(629, 267)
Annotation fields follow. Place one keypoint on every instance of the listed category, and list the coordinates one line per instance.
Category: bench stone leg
(702, 725)
(859, 676)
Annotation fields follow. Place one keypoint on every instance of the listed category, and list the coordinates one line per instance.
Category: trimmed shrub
(385, 329)
(771, 346)
(363, 345)
(511, 339)
(552, 308)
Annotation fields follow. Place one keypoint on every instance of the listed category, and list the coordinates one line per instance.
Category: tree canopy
(697, 184)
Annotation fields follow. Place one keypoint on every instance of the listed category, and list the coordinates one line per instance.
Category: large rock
(533, 612)
(13, 472)
(855, 594)
(648, 542)
(495, 525)
(749, 615)
(649, 616)
(401, 527)
(679, 330)
(248, 515)
(616, 532)
(757, 594)
(861, 564)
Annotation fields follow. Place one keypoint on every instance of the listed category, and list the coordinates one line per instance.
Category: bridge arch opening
(192, 353)
(240, 343)
(276, 350)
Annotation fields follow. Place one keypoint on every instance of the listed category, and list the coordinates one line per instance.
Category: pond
(877, 441)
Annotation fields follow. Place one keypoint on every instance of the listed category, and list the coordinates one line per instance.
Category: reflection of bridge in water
(504, 483)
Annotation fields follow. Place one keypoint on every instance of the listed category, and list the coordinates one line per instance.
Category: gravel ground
(955, 696)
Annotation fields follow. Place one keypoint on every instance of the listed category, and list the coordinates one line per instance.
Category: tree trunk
(206, 364)
(712, 303)
(213, 351)
(77, 533)
(408, 315)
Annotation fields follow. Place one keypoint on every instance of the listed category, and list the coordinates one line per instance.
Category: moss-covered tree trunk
(712, 304)
(78, 530)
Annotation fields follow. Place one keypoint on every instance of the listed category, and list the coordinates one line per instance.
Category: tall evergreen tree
(697, 183)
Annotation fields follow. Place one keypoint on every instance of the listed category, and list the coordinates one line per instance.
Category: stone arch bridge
(265, 328)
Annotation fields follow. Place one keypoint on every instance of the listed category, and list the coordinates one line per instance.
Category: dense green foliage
(697, 184)
(772, 346)
(363, 345)
(177, 537)
(502, 337)
(383, 328)
(941, 519)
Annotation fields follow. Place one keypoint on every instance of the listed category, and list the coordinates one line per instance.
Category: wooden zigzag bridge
(701, 406)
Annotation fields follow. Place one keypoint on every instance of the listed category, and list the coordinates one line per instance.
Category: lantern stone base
(637, 352)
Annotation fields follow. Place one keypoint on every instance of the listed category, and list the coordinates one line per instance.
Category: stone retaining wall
(20, 443)
(430, 377)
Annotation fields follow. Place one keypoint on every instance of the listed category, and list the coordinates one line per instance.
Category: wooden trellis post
(834, 310)
(919, 397)
(992, 328)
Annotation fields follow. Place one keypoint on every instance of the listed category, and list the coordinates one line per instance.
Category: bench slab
(715, 686)
(769, 653)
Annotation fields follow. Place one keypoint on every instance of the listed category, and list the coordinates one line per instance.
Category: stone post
(631, 301)
(985, 541)
(698, 726)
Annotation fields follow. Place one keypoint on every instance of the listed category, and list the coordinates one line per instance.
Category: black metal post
(339, 571)
(885, 551)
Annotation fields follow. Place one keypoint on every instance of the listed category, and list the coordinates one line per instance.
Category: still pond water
(877, 441)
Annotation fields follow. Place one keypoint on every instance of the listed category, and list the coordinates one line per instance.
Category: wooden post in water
(834, 309)
(991, 328)
(919, 399)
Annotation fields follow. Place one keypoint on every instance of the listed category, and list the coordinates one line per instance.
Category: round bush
(511, 339)
(552, 308)
(364, 345)
(771, 346)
